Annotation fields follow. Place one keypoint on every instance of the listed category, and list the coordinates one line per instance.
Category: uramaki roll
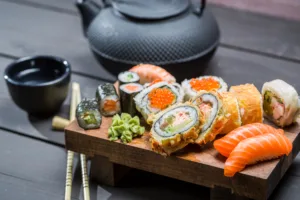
(231, 112)
(175, 127)
(211, 107)
(156, 98)
(280, 102)
(250, 103)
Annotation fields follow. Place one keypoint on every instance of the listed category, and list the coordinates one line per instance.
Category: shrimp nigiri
(259, 148)
(149, 73)
(226, 144)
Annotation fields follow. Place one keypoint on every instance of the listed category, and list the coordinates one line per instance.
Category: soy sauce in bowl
(38, 84)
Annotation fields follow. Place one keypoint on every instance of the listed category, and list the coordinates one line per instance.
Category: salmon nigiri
(149, 73)
(227, 143)
(259, 148)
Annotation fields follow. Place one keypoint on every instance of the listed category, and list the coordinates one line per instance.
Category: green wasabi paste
(125, 127)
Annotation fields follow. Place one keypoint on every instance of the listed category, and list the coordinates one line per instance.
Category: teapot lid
(150, 9)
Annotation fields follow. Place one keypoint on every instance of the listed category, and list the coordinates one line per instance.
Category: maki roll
(128, 77)
(127, 93)
(231, 112)
(156, 98)
(280, 102)
(208, 83)
(211, 106)
(108, 99)
(174, 128)
(88, 115)
(250, 103)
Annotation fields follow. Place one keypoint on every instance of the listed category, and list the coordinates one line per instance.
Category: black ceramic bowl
(39, 84)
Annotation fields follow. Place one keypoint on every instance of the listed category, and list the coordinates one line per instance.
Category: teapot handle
(199, 10)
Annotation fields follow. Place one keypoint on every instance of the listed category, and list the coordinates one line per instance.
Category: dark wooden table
(254, 48)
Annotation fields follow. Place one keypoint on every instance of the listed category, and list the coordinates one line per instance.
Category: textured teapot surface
(141, 36)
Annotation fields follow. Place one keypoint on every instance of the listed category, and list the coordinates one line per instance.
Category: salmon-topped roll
(231, 112)
(226, 144)
(211, 107)
(280, 102)
(149, 73)
(156, 98)
(255, 149)
(250, 103)
(175, 127)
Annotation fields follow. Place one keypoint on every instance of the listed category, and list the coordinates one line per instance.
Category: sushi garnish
(149, 73)
(258, 148)
(161, 98)
(125, 128)
(88, 115)
(280, 102)
(226, 144)
(208, 84)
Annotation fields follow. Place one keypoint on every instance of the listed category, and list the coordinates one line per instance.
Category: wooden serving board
(194, 164)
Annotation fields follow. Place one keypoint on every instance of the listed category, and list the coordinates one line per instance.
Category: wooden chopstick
(70, 155)
(76, 98)
(85, 178)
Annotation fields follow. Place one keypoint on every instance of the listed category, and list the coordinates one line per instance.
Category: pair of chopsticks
(75, 100)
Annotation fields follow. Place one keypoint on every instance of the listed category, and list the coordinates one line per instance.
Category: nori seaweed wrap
(88, 115)
(108, 99)
(127, 93)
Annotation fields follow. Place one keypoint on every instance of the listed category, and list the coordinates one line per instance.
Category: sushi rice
(190, 93)
(128, 77)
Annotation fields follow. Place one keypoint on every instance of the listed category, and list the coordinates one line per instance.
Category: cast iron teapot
(179, 35)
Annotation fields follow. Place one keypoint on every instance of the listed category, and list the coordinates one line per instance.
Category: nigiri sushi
(208, 83)
(250, 103)
(226, 144)
(149, 73)
(258, 148)
(280, 102)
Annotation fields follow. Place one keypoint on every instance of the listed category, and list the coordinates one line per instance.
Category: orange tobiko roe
(207, 84)
(161, 98)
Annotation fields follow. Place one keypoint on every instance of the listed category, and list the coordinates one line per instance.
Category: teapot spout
(88, 10)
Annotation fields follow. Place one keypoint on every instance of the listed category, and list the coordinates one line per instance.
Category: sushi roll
(208, 83)
(211, 106)
(127, 93)
(108, 99)
(231, 112)
(128, 77)
(174, 128)
(88, 115)
(176, 85)
(156, 98)
(149, 73)
(250, 103)
(280, 102)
